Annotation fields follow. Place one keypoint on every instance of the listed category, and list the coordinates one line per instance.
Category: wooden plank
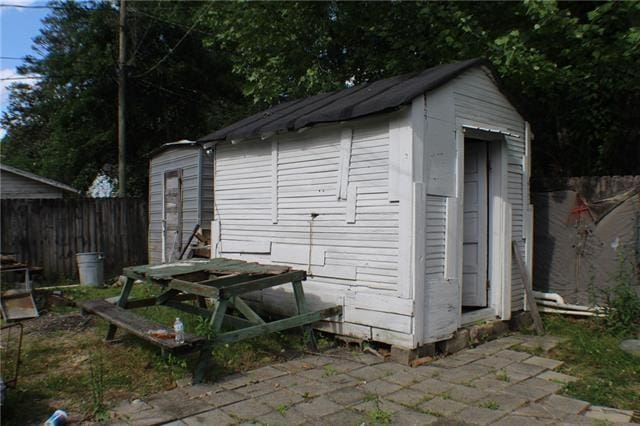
(531, 301)
(352, 196)
(239, 289)
(275, 326)
(218, 315)
(194, 288)
(245, 310)
(191, 309)
(138, 325)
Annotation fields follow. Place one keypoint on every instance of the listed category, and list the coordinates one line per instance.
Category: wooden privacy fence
(50, 232)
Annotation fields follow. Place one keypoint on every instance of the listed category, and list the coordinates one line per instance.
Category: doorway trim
(499, 211)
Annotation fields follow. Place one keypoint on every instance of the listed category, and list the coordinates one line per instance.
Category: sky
(18, 26)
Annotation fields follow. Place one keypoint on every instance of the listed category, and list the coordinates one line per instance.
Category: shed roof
(37, 178)
(354, 102)
(184, 143)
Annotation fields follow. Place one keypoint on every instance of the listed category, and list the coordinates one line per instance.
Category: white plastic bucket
(91, 269)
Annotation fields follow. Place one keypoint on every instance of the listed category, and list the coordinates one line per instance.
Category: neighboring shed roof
(354, 102)
(184, 143)
(40, 179)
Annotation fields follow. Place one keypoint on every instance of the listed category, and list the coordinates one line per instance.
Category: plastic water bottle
(178, 328)
(58, 418)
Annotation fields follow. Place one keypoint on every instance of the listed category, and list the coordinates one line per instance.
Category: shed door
(474, 255)
(172, 215)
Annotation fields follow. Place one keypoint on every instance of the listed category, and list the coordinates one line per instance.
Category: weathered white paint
(352, 196)
(400, 156)
(232, 246)
(274, 181)
(354, 240)
(346, 138)
(215, 239)
(440, 158)
(297, 254)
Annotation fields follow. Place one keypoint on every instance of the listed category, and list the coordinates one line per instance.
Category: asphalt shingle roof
(355, 102)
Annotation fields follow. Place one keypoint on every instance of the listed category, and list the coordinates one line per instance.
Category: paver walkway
(489, 384)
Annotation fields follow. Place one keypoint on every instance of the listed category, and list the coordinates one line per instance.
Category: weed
(96, 375)
(203, 328)
(378, 416)
(445, 395)
(368, 397)
(282, 409)
(490, 404)
(329, 370)
(306, 395)
(622, 302)
(503, 376)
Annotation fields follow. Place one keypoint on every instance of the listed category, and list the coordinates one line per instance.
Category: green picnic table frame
(222, 281)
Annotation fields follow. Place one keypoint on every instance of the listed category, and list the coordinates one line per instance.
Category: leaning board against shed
(224, 281)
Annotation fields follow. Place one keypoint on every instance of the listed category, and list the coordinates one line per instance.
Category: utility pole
(122, 161)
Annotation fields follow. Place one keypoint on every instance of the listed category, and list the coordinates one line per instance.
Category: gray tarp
(587, 230)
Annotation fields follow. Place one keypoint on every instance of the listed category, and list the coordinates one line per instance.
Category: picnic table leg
(203, 365)
(122, 301)
(204, 359)
(301, 303)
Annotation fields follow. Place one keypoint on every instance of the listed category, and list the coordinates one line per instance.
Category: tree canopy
(65, 125)
(572, 66)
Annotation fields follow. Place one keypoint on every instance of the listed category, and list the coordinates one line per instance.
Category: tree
(572, 65)
(64, 126)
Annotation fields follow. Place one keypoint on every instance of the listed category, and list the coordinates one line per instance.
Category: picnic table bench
(223, 282)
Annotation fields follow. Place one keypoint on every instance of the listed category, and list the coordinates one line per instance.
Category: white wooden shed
(400, 198)
(180, 196)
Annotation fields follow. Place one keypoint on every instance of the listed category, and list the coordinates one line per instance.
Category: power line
(20, 78)
(170, 52)
(22, 6)
(166, 21)
(38, 6)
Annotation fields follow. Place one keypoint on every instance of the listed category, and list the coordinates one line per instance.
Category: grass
(76, 371)
(607, 375)
(490, 404)
(503, 376)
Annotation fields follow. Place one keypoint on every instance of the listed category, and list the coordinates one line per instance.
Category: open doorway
(172, 216)
(475, 248)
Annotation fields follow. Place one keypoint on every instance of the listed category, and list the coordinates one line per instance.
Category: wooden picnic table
(223, 282)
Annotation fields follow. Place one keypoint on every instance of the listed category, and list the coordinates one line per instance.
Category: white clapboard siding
(197, 193)
(354, 234)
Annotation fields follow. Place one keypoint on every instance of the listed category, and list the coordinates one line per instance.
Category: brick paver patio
(489, 384)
